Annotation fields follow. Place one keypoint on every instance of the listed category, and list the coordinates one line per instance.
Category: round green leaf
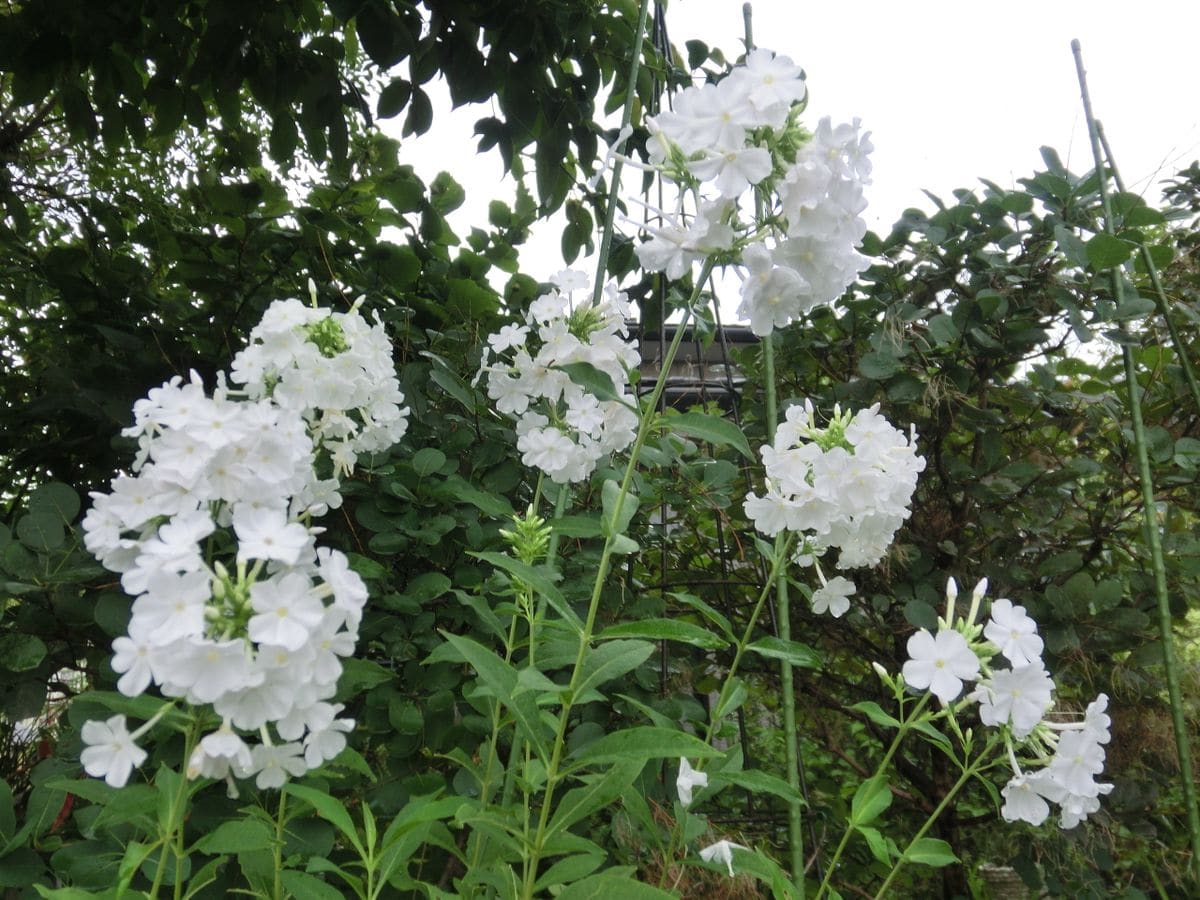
(1105, 251)
(41, 532)
(55, 499)
(878, 365)
(428, 460)
(21, 652)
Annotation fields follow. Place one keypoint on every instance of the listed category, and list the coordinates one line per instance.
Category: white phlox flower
(833, 597)
(742, 134)
(721, 852)
(562, 428)
(940, 662)
(846, 486)
(256, 624)
(110, 753)
(1064, 755)
(687, 781)
(1014, 633)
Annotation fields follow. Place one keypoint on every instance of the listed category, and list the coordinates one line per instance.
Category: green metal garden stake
(1152, 538)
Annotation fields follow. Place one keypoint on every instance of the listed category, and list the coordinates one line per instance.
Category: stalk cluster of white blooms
(1018, 699)
(796, 247)
(845, 486)
(236, 607)
(563, 428)
(335, 369)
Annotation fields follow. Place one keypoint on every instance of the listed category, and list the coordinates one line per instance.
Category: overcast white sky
(951, 90)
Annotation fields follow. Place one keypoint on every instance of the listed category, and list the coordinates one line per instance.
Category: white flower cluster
(845, 486)
(562, 428)
(1018, 699)
(334, 368)
(743, 132)
(235, 606)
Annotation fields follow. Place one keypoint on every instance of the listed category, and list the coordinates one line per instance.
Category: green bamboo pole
(1164, 306)
(1152, 539)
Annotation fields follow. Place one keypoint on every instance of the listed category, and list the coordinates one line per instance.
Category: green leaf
(21, 652)
(761, 783)
(800, 655)
(283, 138)
(237, 836)
(609, 887)
(943, 330)
(428, 460)
(713, 429)
(535, 578)
(879, 365)
(570, 869)
(55, 499)
(664, 630)
(870, 800)
(457, 489)
(614, 522)
(427, 586)
(611, 660)
(303, 886)
(596, 382)
(500, 678)
(446, 194)
(578, 526)
(393, 98)
(41, 532)
(1105, 251)
(600, 791)
(930, 852)
(331, 810)
(877, 843)
(875, 713)
(644, 742)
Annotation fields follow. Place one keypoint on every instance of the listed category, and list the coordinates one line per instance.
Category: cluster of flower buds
(563, 428)
(235, 605)
(743, 133)
(844, 486)
(1017, 698)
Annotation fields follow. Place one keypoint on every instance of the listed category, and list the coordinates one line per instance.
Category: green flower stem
(1164, 307)
(171, 836)
(778, 565)
(614, 187)
(968, 773)
(901, 732)
(784, 618)
(1165, 624)
(280, 820)
(648, 417)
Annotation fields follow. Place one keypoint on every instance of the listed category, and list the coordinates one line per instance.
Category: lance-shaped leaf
(710, 428)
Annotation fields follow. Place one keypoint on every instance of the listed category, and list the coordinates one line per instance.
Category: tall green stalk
(1160, 295)
(614, 187)
(1170, 663)
(553, 775)
(784, 618)
(782, 600)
